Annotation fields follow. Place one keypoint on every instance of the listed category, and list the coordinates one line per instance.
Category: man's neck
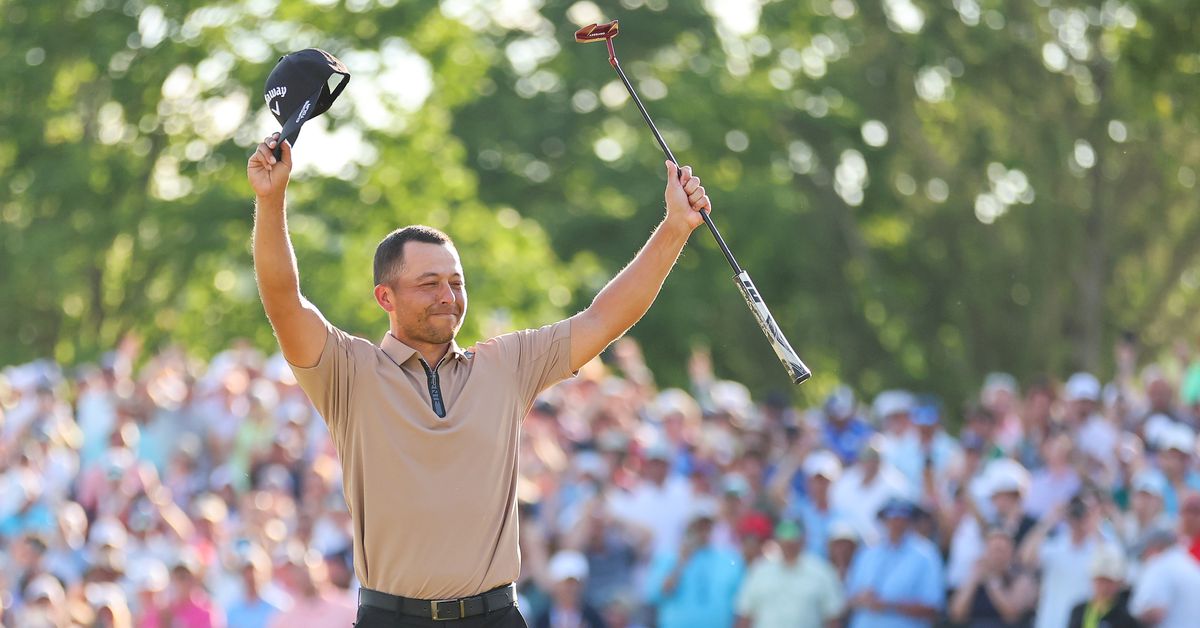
(431, 353)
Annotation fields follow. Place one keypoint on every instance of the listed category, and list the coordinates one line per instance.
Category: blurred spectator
(897, 582)
(1109, 602)
(842, 430)
(814, 508)
(1165, 593)
(568, 571)
(660, 501)
(1036, 421)
(998, 593)
(1055, 483)
(928, 453)
(1177, 450)
(694, 585)
(866, 486)
(188, 603)
(315, 601)
(999, 395)
(893, 411)
(1060, 556)
(793, 589)
(613, 549)
(1146, 509)
(843, 546)
(1005, 482)
(259, 602)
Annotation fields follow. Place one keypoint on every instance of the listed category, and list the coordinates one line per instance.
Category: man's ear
(385, 298)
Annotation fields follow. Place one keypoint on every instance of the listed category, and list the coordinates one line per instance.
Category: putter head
(596, 32)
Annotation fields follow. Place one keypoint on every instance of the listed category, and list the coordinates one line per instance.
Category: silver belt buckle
(462, 609)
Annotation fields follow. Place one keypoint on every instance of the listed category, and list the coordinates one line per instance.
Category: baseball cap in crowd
(1082, 386)
(823, 463)
(971, 441)
(997, 381)
(898, 507)
(566, 565)
(1151, 482)
(789, 530)
(840, 403)
(891, 402)
(925, 414)
(754, 524)
(704, 508)
(1178, 438)
(843, 531)
(735, 484)
(1006, 475)
(1108, 562)
(297, 90)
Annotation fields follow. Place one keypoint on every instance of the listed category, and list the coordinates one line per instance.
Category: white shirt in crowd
(859, 503)
(664, 510)
(1064, 578)
(1169, 581)
(805, 594)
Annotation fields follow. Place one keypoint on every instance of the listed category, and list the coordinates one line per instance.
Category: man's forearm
(274, 261)
(627, 297)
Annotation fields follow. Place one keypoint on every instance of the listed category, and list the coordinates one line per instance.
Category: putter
(783, 349)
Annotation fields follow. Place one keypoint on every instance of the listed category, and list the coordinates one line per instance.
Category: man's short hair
(389, 255)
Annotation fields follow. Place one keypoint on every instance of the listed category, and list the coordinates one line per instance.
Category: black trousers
(371, 617)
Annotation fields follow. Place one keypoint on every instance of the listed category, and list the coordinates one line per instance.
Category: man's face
(1006, 502)
(1105, 588)
(427, 298)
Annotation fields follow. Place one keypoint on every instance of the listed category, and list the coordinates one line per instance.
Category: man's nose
(446, 293)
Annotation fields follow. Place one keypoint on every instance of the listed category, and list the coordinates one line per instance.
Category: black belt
(441, 610)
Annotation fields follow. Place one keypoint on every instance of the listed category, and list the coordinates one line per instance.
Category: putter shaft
(612, 59)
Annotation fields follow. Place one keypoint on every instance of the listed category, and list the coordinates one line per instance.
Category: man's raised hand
(267, 175)
(685, 196)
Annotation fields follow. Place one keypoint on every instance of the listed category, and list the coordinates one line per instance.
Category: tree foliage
(923, 191)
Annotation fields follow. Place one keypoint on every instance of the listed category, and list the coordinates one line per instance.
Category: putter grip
(792, 362)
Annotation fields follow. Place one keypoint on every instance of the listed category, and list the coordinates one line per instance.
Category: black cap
(298, 89)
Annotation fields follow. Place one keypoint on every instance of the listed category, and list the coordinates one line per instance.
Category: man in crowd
(898, 582)
(695, 585)
(794, 589)
(1166, 593)
(1060, 557)
(1109, 603)
(568, 572)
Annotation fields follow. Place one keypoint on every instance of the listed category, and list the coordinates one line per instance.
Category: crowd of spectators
(155, 490)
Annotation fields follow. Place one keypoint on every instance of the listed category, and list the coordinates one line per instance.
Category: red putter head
(600, 32)
(596, 32)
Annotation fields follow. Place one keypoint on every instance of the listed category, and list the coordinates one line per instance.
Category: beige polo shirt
(433, 499)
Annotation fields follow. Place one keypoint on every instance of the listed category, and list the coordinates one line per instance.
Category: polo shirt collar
(401, 353)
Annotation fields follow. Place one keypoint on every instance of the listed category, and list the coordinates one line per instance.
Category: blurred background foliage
(924, 190)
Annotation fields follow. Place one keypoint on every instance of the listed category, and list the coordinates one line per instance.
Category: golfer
(427, 431)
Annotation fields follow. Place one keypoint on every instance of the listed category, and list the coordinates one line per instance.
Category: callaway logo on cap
(298, 89)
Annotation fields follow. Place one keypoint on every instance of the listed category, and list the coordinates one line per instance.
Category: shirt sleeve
(543, 357)
(329, 383)
(833, 602)
(1151, 591)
